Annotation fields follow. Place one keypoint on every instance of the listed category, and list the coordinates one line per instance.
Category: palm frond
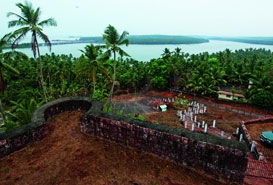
(14, 23)
(36, 15)
(26, 10)
(104, 56)
(18, 35)
(123, 53)
(122, 40)
(4, 41)
(20, 21)
(10, 68)
(110, 35)
(45, 38)
(15, 54)
(48, 22)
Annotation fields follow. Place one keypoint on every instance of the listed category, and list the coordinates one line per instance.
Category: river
(148, 52)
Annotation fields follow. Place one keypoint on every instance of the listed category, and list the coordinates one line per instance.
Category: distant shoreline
(142, 39)
(147, 52)
(248, 40)
(158, 40)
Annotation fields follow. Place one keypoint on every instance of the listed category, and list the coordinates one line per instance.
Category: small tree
(92, 63)
(180, 101)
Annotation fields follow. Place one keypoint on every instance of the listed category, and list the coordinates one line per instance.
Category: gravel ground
(141, 106)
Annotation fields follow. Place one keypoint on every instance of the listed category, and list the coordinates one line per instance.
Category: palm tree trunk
(94, 84)
(2, 111)
(41, 71)
(114, 78)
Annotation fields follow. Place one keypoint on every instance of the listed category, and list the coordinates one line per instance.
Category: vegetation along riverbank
(243, 77)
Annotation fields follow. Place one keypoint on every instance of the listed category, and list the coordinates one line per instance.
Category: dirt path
(68, 157)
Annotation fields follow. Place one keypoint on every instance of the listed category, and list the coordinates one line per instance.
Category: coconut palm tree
(93, 62)
(177, 51)
(166, 54)
(29, 22)
(10, 54)
(260, 91)
(112, 42)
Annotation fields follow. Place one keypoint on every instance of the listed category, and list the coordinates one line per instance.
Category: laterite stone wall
(227, 163)
(24, 135)
(247, 137)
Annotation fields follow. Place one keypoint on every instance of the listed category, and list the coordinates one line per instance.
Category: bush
(8, 124)
(159, 83)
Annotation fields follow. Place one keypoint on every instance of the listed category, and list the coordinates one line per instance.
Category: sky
(141, 17)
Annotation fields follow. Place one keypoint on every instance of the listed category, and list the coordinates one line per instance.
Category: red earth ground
(255, 131)
(67, 157)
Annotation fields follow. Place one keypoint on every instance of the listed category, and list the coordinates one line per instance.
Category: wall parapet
(253, 145)
(226, 162)
(15, 139)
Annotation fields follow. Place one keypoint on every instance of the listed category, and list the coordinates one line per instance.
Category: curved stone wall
(24, 135)
(228, 163)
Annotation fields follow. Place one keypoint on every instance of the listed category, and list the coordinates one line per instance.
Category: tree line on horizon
(153, 39)
(250, 40)
(102, 70)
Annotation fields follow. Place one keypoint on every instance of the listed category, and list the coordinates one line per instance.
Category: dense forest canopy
(203, 74)
(102, 70)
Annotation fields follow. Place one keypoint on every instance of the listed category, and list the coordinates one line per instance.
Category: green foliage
(107, 107)
(101, 95)
(159, 83)
(28, 22)
(139, 117)
(200, 73)
(92, 65)
(158, 67)
(25, 82)
(22, 111)
(207, 77)
(261, 96)
(113, 40)
(180, 101)
(131, 74)
(112, 108)
(93, 72)
(159, 72)
(8, 125)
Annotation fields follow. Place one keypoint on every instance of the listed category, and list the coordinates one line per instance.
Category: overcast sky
(172, 17)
